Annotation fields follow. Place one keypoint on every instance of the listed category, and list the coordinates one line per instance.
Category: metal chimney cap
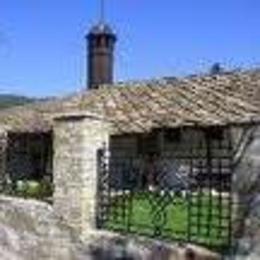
(101, 28)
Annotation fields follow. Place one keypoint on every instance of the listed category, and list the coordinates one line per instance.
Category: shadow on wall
(246, 186)
(247, 222)
(131, 249)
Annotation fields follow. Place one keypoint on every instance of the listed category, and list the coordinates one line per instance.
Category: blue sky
(42, 46)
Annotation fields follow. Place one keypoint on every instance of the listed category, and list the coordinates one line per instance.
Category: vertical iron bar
(220, 190)
(130, 197)
(122, 201)
(209, 177)
(230, 201)
(190, 192)
(199, 201)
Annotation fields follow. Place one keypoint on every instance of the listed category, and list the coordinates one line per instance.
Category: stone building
(145, 117)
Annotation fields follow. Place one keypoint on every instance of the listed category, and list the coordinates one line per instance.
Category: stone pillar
(3, 154)
(77, 138)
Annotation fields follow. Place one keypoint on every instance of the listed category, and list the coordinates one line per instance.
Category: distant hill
(9, 100)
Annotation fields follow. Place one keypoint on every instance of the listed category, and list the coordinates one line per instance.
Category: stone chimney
(100, 61)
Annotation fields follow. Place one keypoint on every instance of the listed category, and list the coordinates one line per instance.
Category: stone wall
(77, 140)
(175, 149)
(246, 186)
(31, 230)
(167, 142)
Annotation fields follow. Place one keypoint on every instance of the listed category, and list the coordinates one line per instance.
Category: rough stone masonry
(77, 139)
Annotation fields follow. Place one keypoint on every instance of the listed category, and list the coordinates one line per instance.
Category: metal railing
(181, 198)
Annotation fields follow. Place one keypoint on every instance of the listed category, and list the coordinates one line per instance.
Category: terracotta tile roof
(204, 100)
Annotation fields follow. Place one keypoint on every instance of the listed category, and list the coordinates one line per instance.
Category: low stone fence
(31, 230)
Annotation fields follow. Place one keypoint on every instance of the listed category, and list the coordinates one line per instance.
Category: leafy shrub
(34, 189)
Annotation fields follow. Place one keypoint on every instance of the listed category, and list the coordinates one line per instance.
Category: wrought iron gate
(186, 197)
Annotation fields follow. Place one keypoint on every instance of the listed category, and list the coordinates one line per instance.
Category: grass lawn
(142, 212)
